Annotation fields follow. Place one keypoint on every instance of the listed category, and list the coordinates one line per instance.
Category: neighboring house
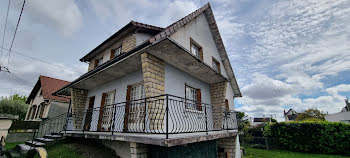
(149, 89)
(42, 104)
(343, 116)
(260, 120)
(290, 115)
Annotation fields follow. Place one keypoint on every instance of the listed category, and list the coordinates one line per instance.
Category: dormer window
(99, 61)
(196, 49)
(117, 51)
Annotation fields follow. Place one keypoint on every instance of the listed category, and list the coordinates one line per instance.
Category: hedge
(312, 137)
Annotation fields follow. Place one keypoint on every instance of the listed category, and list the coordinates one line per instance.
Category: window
(216, 65)
(100, 61)
(117, 51)
(137, 92)
(196, 49)
(193, 98)
(109, 100)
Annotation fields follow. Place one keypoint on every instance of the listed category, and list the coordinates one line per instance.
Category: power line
(14, 35)
(57, 66)
(3, 36)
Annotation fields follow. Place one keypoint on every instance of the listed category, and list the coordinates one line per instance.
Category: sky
(285, 54)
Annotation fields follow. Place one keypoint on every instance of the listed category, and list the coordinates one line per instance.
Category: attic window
(196, 49)
(118, 51)
(100, 61)
(216, 65)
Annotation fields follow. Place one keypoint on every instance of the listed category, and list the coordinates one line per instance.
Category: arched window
(33, 111)
(38, 111)
(42, 109)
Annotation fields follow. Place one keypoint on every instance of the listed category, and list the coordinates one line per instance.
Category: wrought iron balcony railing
(164, 114)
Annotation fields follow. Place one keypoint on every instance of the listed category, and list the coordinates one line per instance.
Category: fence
(164, 114)
(259, 142)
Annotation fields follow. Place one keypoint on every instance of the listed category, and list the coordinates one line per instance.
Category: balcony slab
(155, 139)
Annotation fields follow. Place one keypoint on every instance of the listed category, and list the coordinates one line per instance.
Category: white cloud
(339, 88)
(63, 15)
(263, 87)
(22, 78)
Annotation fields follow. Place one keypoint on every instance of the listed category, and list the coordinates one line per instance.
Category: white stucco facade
(198, 29)
(339, 117)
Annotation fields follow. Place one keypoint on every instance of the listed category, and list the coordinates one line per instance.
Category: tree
(243, 123)
(311, 114)
(14, 105)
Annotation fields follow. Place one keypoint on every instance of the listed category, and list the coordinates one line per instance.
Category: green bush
(313, 137)
(14, 107)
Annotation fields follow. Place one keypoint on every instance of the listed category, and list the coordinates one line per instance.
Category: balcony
(153, 120)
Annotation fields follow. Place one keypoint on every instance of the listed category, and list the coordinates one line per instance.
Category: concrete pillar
(229, 147)
(79, 97)
(218, 95)
(138, 150)
(153, 77)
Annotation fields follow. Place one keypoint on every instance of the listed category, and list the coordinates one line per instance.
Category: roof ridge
(53, 78)
(149, 26)
(178, 24)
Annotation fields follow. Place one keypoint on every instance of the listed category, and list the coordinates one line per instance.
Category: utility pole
(4, 69)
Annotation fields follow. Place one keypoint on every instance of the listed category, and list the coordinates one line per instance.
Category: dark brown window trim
(218, 64)
(193, 42)
(198, 99)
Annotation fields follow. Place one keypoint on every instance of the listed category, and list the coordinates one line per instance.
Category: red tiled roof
(50, 85)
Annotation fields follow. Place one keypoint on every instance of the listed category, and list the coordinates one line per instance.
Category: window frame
(98, 61)
(113, 92)
(217, 63)
(200, 49)
(143, 93)
(194, 102)
(114, 51)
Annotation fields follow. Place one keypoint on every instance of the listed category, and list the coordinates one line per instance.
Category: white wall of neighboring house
(37, 100)
(198, 29)
(339, 117)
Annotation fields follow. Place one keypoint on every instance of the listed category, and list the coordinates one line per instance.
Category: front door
(88, 115)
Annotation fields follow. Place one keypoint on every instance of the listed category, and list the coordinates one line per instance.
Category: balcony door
(135, 108)
(106, 111)
(88, 115)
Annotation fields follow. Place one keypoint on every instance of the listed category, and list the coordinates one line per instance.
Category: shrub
(313, 137)
(14, 107)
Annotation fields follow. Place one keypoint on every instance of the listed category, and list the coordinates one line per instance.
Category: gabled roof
(164, 34)
(216, 35)
(131, 26)
(48, 85)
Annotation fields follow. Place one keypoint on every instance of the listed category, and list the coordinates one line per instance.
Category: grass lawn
(12, 145)
(261, 153)
(63, 151)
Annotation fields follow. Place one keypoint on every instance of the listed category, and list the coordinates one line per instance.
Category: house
(342, 116)
(149, 91)
(290, 115)
(42, 104)
(260, 120)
